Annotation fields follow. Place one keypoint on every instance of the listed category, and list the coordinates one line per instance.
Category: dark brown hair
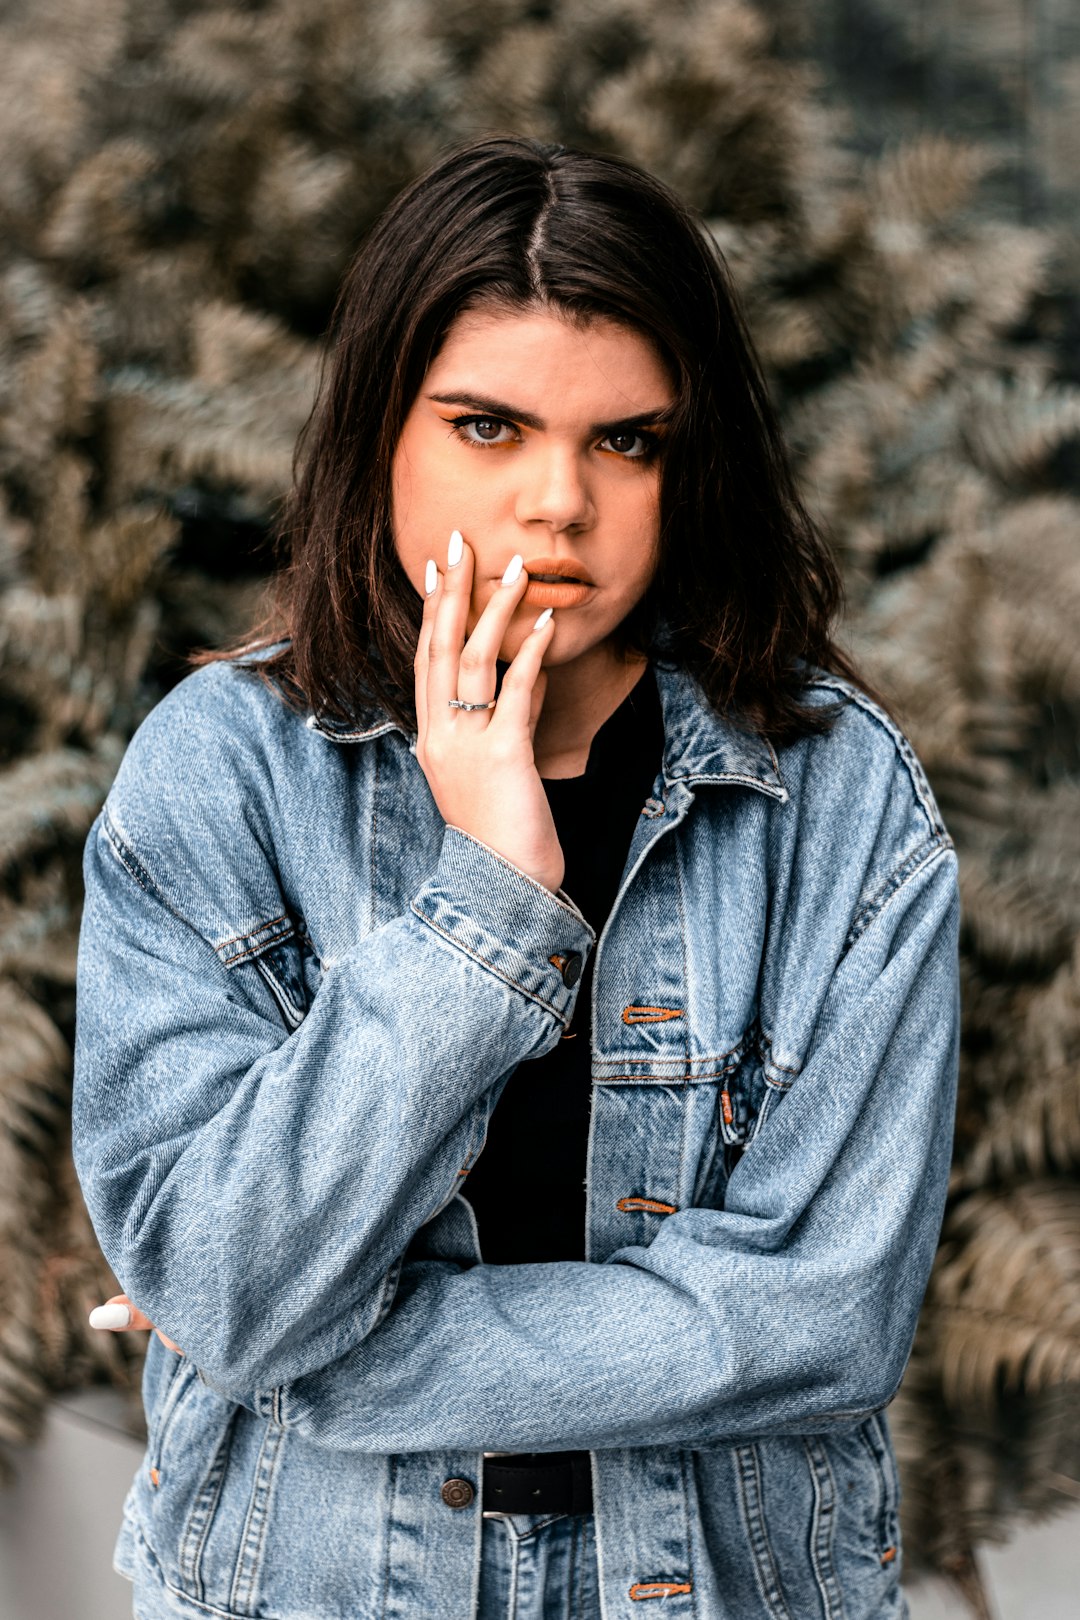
(745, 588)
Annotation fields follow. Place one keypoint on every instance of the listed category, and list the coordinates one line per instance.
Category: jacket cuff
(489, 908)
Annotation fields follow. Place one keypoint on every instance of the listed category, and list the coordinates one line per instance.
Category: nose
(555, 489)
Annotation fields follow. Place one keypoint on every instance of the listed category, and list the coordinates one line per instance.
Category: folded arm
(254, 1190)
(792, 1307)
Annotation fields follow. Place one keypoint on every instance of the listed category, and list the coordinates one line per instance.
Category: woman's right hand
(479, 763)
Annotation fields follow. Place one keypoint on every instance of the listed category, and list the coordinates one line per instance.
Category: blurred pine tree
(181, 190)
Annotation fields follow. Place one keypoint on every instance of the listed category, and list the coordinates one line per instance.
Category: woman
(485, 1286)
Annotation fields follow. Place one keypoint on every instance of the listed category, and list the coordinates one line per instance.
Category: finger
(536, 702)
(432, 580)
(119, 1315)
(515, 709)
(448, 633)
(477, 672)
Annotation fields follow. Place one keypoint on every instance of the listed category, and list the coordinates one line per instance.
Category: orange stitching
(729, 1115)
(888, 1555)
(651, 1589)
(653, 1205)
(660, 1079)
(650, 1015)
(557, 962)
(155, 1477)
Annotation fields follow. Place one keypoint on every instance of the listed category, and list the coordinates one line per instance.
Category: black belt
(538, 1482)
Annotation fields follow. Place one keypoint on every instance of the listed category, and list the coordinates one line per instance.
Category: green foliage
(182, 189)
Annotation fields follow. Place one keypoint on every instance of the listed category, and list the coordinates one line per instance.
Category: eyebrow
(660, 417)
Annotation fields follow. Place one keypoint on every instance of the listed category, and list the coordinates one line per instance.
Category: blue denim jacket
(301, 995)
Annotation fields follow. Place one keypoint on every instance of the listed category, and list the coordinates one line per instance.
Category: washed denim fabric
(539, 1567)
(301, 995)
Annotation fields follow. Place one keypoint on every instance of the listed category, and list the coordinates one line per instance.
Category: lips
(557, 570)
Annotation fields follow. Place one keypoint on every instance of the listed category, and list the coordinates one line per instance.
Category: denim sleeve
(254, 1190)
(791, 1308)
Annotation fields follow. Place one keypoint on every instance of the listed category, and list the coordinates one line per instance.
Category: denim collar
(699, 744)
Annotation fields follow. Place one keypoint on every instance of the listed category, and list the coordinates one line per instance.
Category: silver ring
(456, 703)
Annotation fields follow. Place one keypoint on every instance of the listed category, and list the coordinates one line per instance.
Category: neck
(580, 696)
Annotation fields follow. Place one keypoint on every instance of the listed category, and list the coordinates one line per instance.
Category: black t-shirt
(527, 1188)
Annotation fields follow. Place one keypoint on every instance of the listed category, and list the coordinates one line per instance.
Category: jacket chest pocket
(662, 1146)
(742, 1099)
(289, 970)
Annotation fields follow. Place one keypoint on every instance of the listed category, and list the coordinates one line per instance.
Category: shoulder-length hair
(745, 587)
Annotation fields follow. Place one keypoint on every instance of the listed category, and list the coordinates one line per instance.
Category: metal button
(571, 969)
(457, 1493)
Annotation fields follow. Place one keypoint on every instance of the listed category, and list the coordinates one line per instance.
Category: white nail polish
(110, 1316)
(543, 619)
(513, 569)
(431, 576)
(455, 550)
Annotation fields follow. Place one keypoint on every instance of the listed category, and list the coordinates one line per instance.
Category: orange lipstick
(564, 582)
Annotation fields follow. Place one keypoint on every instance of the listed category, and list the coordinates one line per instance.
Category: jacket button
(571, 969)
(457, 1493)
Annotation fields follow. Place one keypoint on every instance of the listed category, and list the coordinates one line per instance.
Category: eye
(482, 430)
(631, 445)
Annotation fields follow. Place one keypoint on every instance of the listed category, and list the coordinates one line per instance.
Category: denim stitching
(527, 1535)
(521, 874)
(680, 895)
(392, 1470)
(780, 794)
(683, 1460)
(918, 778)
(252, 933)
(677, 864)
(389, 1293)
(149, 885)
(910, 867)
(176, 1392)
(256, 950)
(372, 844)
(127, 857)
(204, 1511)
(494, 971)
(292, 1014)
(515, 1569)
(573, 1603)
(729, 1060)
(159, 1575)
(885, 1473)
(768, 1579)
(823, 1528)
(256, 1523)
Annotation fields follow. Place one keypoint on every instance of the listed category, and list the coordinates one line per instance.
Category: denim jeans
(539, 1566)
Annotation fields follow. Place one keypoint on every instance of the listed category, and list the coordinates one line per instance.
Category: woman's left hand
(119, 1315)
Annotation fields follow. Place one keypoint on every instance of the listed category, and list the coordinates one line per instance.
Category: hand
(479, 763)
(110, 1318)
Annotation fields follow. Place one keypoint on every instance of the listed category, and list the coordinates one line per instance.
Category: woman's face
(533, 435)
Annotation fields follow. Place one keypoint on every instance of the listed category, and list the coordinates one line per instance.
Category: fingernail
(543, 619)
(431, 576)
(513, 569)
(110, 1316)
(455, 550)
